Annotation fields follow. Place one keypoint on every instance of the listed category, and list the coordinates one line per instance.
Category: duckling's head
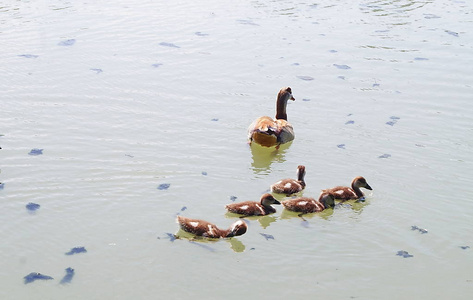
(268, 199)
(327, 200)
(300, 172)
(360, 182)
(238, 228)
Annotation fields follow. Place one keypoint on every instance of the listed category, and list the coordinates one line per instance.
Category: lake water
(117, 116)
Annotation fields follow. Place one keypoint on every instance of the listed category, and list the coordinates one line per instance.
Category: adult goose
(269, 132)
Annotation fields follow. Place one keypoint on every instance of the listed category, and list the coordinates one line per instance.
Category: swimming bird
(347, 193)
(269, 132)
(205, 229)
(306, 205)
(253, 208)
(290, 186)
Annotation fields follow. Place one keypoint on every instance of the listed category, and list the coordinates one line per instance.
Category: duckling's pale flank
(306, 205)
(253, 208)
(269, 132)
(347, 193)
(205, 229)
(290, 186)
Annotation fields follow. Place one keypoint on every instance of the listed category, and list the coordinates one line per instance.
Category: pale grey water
(123, 97)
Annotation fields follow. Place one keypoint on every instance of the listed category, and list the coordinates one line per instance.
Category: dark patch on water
(267, 236)
(171, 45)
(305, 78)
(404, 254)
(28, 55)
(164, 186)
(2, 185)
(296, 64)
(393, 121)
(68, 277)
(342, 206)
(203, 246)
(247, 22)
(171, 237)
(342, 67)
(420, 58)
(69, 42)
(385, 155)
(361, 199)
(305, 224)
(204, 173)
(341, 77)
(332, 51)
(96, 70)
(129, 155)
(349, 122)
(214, 120)
(431, 16)
(157, 65)
(341, 146)
(233, 198)
(455, 34)
(36, 276)
(306, 100)
(198, 33)
(182, 209)
(36, 151)
(421, 230)
(465, 247)
(32, 206)
(76, 250)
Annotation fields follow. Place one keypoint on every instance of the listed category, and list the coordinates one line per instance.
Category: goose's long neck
(281, 107)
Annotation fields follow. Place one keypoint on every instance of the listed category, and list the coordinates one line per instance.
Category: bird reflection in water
(264, 221)
(263, 157)
(206, 243)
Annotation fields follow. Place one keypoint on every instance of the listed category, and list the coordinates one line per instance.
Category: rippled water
(116, 116)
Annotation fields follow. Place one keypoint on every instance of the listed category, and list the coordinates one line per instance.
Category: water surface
(116, 116)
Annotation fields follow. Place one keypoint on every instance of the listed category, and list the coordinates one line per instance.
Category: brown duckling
(306, 205)
(209, 230)
(290, 186)
(269, 132)
(347, 193)
(253, 208)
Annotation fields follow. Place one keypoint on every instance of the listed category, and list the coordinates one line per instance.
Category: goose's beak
(292, 98)
(368, 187)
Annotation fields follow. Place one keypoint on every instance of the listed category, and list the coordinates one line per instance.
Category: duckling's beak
(368, 187)
(292, 98)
